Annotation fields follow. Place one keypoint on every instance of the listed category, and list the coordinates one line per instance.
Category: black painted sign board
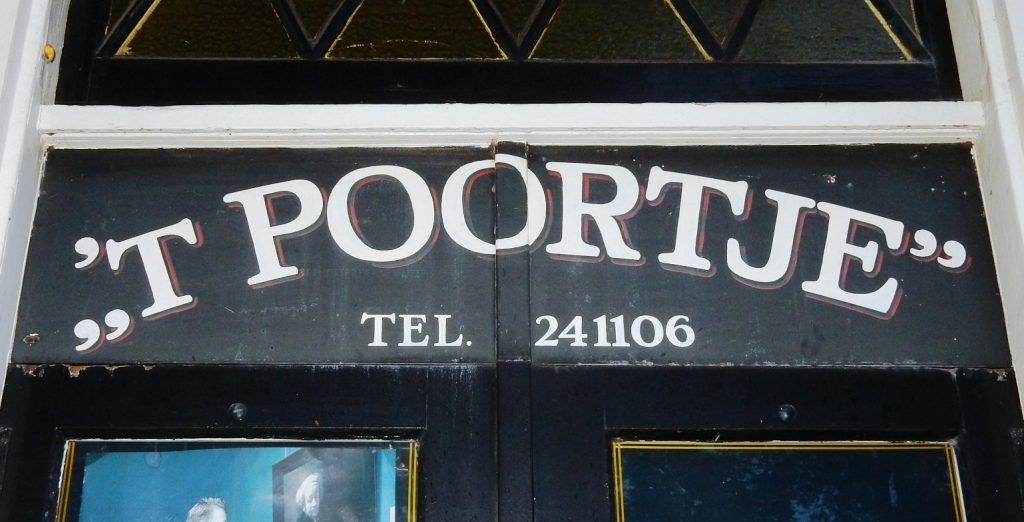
(824, 255)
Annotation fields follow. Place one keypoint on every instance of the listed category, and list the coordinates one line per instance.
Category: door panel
(599, 405)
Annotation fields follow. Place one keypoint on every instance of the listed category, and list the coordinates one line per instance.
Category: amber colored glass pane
(314, 14)
(516, 13)
(210, 29)
(616, 30)
(117, 9)
(416, 29)
(818, 31)
(718, 15)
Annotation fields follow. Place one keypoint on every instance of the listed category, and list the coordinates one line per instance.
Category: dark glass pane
(786, 482)
(117, 8)
(818, 31)
(217, 481)
(618, 30)
(718, 15)
(206, 29)
(516, 13)
(416, 29)
(314, 14)
(906, 10)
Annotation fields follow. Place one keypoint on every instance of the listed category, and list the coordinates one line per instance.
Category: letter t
(156, 261)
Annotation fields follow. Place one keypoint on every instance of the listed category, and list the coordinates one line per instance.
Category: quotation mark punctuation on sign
(160, 274)
(90, 250)
(952, 256)
(89, 332)
(92, 334)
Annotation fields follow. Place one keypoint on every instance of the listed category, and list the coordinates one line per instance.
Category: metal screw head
(238, 410)
(787, 412)
(31, 339)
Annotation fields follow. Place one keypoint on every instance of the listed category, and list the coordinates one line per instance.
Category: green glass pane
(818, 31)
(620, 30)
(516, 13)
(117, 9)
(314, 14)
(718, 15)
(416, 29)
(210, 29)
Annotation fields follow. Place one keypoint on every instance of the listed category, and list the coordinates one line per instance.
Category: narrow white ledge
(570, 124)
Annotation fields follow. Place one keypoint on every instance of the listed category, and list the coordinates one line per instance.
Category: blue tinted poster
(176, 481)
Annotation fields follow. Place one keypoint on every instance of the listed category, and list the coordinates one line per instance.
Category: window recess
(169, 52)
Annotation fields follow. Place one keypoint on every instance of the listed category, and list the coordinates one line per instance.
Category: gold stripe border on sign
(954, 483)
(65, 482)
(620, 508)
(410, 501)
(619, 445)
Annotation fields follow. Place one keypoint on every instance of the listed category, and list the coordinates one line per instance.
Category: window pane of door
(785, 482)
(218, 481)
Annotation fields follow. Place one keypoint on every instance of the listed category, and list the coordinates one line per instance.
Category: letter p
(257, 203)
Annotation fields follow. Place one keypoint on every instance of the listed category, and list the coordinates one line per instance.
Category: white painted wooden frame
(985, 33)
(566, 124)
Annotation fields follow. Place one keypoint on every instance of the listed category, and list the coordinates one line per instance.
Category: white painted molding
(990, 71)
(569, 124)
(6, 39)
(19, 153)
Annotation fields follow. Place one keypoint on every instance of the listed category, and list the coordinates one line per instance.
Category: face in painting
(311, 504)
(217, 515)
(308, 496)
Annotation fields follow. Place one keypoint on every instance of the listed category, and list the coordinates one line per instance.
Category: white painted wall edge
(1012, 12)
(457, 124)
(19, 154)
(990, 72)
(7, 17)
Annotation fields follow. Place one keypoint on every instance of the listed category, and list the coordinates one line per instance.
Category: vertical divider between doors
(512, 316)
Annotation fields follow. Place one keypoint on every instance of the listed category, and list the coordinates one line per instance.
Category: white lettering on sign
(645, 331)
(412, 330)
(840, 251)
(455, 196)
(266, 234)
(156, 262)
(693, 210)
(609, 217)
(845, 248)
(789, 223)
(344, 223)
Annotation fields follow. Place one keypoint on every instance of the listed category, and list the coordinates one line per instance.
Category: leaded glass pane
(117, 9)
(205, 29)
(516, 13)
(906, 10)
(416, 29)
(620, 30)
(314, 14)
(719, 15)
(819, 31)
